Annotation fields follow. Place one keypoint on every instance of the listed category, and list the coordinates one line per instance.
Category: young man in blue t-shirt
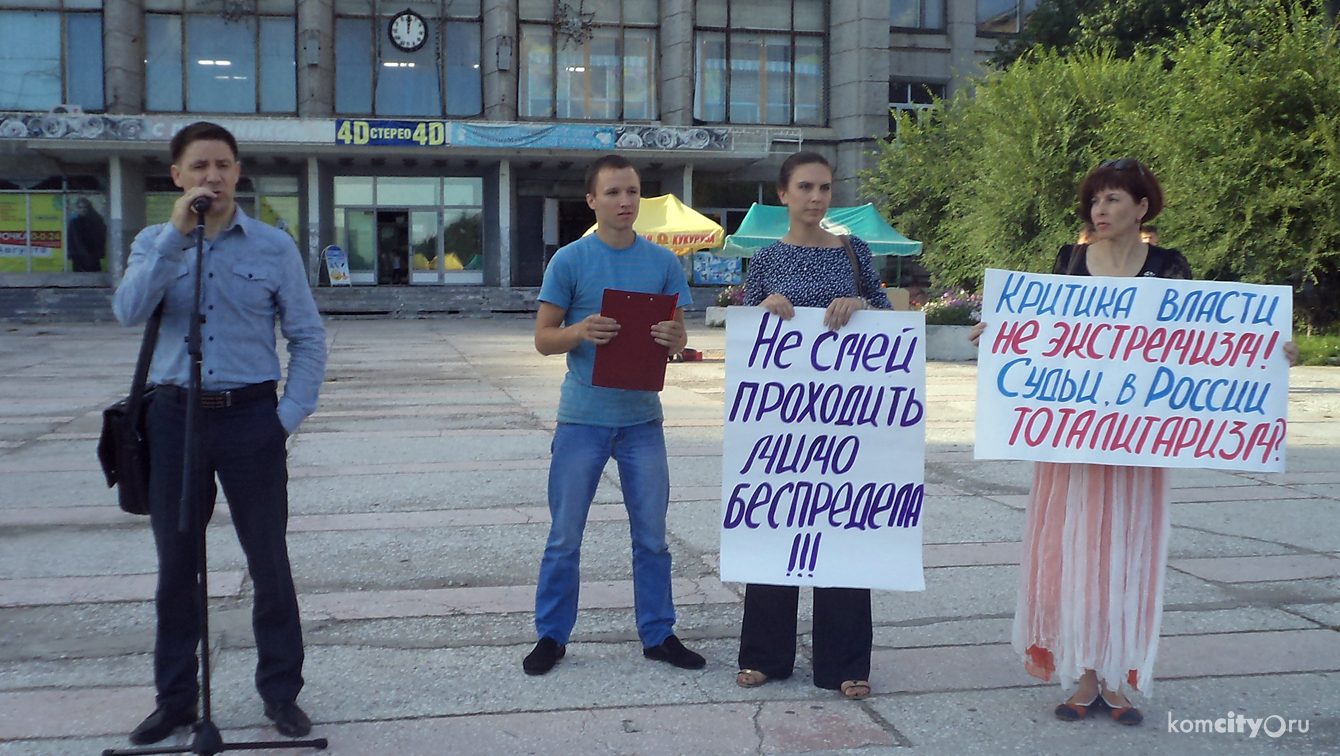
(596, 423)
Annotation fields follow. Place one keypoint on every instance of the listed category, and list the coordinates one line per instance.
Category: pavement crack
(899, 739)
(758, 727)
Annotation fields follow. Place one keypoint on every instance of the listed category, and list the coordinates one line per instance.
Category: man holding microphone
(252, 275)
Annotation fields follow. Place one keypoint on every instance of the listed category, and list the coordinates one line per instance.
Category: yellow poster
(48, 233)
(13, 233)
(282, 213)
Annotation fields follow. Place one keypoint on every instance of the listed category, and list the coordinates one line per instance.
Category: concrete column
(313, 221)
(859, 98)
(505, 224)
(123, 56)
(686, 194)
(316, 58)
(115, 221)
(500, 59)
(676, 62)
(125, 206)
(961, 20)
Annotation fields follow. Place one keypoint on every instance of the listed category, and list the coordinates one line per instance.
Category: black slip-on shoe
(673, 652)
(546, 654)
(161, 723)
(289, 719)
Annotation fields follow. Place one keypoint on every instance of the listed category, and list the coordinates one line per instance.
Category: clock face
(408, 31)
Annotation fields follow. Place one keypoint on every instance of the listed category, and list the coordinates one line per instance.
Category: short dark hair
(796, 160)
(611, 162)
(201, 131)
(1130, 176)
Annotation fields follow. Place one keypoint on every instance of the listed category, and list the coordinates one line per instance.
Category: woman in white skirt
(1096, 540)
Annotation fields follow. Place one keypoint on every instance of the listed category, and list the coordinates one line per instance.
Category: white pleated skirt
(1091, 579)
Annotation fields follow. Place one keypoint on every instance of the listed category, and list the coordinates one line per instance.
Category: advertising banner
(337, 266)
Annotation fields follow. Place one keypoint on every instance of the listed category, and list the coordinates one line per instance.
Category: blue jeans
(579, 456)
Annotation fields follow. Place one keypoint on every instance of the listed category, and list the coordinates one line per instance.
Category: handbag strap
(146, 356)
(855, 266)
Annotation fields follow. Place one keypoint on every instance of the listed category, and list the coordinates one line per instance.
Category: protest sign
(824, 445)
(1148, 372)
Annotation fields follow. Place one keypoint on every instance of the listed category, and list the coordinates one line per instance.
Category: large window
(592, 59)
(54, 225)
(409, 229)
(50, 57)
(1002, 16)
(374, 76)
(760, 61)
(912, 96)
(271, 199)
(917, 14)
(205, 63)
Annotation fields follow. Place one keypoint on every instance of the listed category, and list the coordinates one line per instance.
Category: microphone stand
(207, 740)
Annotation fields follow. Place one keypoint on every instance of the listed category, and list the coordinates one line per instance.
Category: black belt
(220, 399)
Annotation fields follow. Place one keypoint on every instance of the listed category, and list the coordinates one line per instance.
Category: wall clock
(408, 31)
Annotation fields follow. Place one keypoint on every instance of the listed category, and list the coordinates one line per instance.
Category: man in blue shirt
(252, 275)
(596, 423)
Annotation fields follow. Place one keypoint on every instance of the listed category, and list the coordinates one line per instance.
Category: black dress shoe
(546, 654)
(289, 720)
(161, 723)
(673, 652)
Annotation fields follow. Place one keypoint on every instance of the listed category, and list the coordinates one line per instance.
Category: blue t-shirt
(575, 281)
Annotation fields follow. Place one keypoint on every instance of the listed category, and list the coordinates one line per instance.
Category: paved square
(418, 520)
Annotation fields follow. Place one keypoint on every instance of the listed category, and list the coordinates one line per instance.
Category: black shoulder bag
(123, 449)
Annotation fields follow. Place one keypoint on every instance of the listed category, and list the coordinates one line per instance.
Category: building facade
(444, 142)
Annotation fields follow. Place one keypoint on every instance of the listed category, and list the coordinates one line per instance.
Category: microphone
(201, 204)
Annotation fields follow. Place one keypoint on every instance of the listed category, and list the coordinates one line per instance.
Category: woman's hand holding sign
(779, 305)
(976, 335)
(840, 310)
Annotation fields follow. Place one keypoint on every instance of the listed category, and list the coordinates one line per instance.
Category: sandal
(1073, 712)
(1127, 715)
(750, 678)
(855, 689)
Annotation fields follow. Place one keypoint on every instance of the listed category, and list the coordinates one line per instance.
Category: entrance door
(393, 247)
(574, 217)
(356, 233)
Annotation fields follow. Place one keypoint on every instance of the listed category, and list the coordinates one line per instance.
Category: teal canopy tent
(765, 224)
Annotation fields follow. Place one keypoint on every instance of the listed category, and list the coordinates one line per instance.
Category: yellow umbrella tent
(670, 223)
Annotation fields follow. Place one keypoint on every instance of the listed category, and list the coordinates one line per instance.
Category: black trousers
(244, 447)
(843, 633)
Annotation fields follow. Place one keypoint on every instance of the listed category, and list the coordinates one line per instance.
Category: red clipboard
(633, 360)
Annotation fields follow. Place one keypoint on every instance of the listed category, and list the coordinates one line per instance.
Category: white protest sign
(1148, 372)
(823, 460)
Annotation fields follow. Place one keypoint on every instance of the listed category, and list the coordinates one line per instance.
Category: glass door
(425, 243)
(392, 247)
(356, 234)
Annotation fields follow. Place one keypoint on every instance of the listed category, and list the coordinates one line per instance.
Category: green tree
(1239, 116)
(1122, 26)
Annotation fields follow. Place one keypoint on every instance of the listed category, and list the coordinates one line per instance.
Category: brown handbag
(855, 266)
(123, 449)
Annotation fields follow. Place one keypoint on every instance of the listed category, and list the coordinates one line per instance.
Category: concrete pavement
(418, 520)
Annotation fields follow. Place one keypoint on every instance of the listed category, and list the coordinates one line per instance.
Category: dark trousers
(843, 633)
(244, 447)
